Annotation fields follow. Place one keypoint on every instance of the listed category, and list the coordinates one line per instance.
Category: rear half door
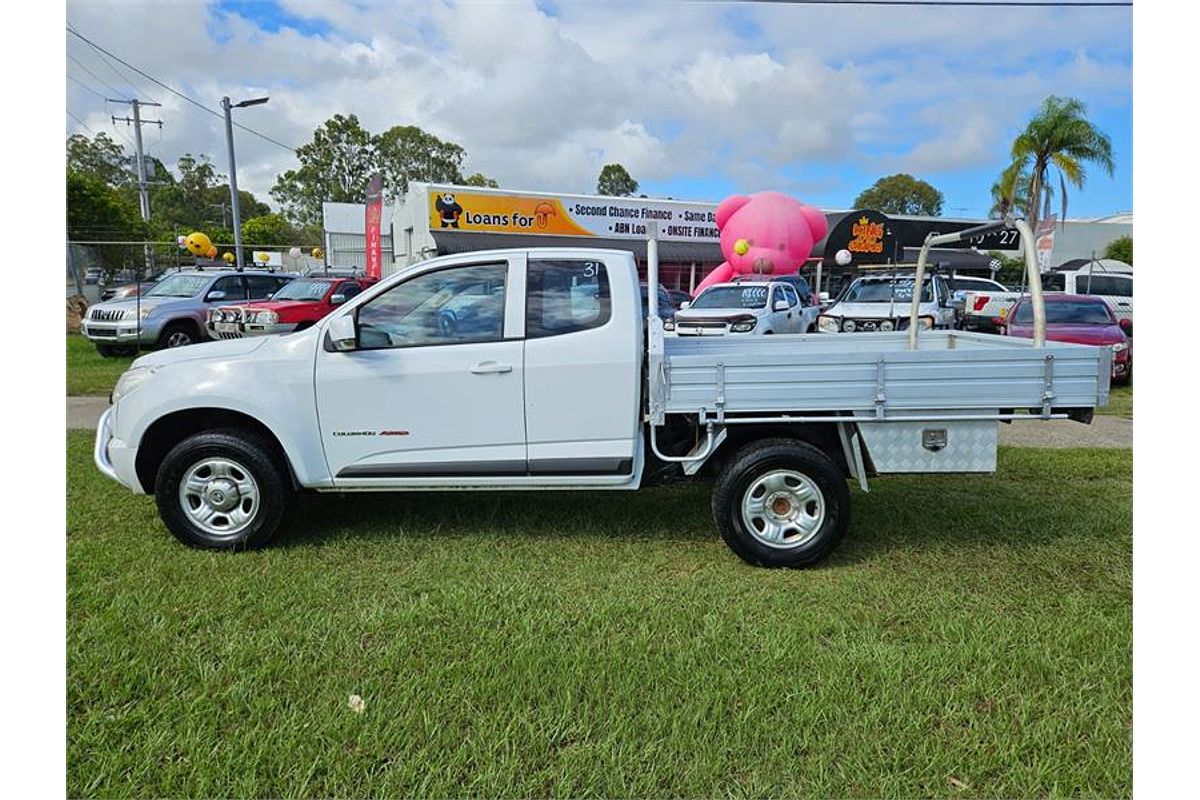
(582, 368)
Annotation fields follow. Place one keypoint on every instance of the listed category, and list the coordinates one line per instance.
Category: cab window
(457, 305)
(262, 286)
(232, 286)
(565, 296)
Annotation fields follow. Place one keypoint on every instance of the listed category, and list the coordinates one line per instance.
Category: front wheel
(781, 503)
(222, 490)
(177, 334)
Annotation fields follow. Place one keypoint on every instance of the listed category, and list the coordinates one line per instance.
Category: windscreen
(876, 291)
(732, 297)
(305, 289)
(179, 286)
(1068, 312)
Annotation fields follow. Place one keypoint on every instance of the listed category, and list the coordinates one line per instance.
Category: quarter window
(450, 306)
(565, 296)
(262, 285)
(1106, 285)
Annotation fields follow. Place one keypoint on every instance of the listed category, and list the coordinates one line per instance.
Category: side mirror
(337, 299)
(823, 297)
(685, 304)
(781, 305)
(216, 295)
(343, 333)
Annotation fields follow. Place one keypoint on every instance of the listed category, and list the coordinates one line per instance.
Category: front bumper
(113, 457)
(117, 332)
(241, 330)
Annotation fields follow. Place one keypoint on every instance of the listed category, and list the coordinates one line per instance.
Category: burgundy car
(1082, 319)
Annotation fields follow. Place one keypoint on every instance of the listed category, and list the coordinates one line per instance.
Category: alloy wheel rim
(783, 509)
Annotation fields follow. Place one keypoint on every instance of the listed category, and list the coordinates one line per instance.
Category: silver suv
(744, 307)
(173, 313)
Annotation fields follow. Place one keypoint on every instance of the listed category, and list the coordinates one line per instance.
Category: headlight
(145, 312)
(1119, 346)
(743, 325)
(668, 324)
(827, 324)
(131, 379)
(266, 317)
(887, 325)
(848, 326)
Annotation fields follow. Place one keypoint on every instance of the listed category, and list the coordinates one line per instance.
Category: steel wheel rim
(219, 496)
(783, 509)
(178, 339)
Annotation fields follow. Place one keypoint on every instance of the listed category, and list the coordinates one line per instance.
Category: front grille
(229, 334)
(107, 315)
(102, 333)
(871, 325)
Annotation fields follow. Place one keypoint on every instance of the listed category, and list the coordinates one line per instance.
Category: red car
(1083, 319)
(294, 307)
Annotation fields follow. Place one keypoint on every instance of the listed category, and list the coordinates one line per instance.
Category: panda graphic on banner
(448, 210)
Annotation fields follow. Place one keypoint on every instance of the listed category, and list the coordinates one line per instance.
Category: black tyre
(223, 490)
(781, 503)
(178, 334)
(115, 350)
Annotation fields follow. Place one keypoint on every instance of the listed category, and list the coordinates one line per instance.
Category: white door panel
(422, 410)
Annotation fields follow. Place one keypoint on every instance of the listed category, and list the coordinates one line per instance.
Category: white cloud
(748, 92)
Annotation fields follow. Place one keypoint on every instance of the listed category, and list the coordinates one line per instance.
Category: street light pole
(233, 190)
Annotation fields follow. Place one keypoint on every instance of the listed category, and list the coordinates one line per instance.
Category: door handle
(489, 367)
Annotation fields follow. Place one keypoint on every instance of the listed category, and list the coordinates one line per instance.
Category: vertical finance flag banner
(1044, 242)
(374, 225)
(451, 209)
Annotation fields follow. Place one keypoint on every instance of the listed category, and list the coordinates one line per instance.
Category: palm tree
(1013, 183)
(1059, 135)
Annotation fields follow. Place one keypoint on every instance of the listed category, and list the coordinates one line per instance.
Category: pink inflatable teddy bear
(767, 233)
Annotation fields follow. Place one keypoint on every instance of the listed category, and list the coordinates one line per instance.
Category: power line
(85, 87)
(81, 122)
(178, 93)
(103, 82)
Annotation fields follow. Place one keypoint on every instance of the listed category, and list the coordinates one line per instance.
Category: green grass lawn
(1120, 401)
(972, 637)
(87, 371)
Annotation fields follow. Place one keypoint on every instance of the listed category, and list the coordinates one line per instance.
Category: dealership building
(440, 219)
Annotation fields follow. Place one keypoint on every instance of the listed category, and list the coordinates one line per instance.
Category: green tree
(1059, 135)
(479, 179)
(101, 158)
(198, 200)
(99, 212)
(615, 181)
(1120, 249)
(902, 194)
(334, 167)
(407, 153)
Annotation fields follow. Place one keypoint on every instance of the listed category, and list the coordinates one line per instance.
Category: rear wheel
(178, 334)
(223, 490)
(781, 503)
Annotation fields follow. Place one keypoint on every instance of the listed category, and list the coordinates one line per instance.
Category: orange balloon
(212, 252)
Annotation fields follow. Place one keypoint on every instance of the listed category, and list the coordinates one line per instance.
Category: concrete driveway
(83, 412)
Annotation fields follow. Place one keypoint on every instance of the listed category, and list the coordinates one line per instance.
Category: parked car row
(293, 308)
(174, 311)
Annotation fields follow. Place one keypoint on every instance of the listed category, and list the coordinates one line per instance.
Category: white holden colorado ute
(534, 369)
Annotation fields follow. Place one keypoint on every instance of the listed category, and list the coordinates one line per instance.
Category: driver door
(436, 386)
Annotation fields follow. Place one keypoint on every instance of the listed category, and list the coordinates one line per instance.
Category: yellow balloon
(229, 258)
(197, 243)
(264, 257)
(317, 252)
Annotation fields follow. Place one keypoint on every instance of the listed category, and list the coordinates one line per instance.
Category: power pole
(143, 192)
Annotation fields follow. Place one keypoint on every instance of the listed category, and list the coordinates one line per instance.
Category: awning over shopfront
(703, 254)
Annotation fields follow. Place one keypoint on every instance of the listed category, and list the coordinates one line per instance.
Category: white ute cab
(533, 369)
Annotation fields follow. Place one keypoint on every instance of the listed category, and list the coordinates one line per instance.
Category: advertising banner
(374, 223)
(1044, 242)
(570, 215)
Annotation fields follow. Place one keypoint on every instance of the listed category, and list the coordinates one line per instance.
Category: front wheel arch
(169, 430)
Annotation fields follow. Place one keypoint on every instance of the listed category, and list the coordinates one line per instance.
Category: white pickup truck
(988, 310)
(545, 376)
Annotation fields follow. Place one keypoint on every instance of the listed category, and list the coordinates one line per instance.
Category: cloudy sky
(696, 99)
